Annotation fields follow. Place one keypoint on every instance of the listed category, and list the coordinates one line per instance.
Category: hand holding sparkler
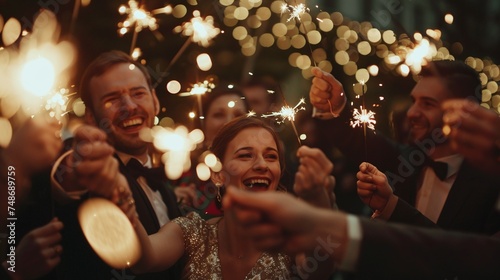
(374, 189)
(474, 132)
(313, 181)
(326, 94)
(94, 167)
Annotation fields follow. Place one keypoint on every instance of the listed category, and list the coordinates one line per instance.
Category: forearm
(160, 250)
(146, 261)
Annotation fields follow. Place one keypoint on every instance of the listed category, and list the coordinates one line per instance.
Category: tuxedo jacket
(470, 205)
(394, 251)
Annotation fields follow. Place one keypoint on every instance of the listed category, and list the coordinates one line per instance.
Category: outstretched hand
(279, 221)
(373, 187)
(95, 167)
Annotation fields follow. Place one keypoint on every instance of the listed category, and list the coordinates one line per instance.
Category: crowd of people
(435, 201)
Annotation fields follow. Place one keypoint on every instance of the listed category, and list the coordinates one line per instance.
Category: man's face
(425, 115)
(123, 104)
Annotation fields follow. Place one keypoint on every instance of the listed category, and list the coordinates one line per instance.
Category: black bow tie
(154, 176)
(439, 167)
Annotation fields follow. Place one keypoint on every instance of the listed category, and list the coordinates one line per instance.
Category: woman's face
(221, 111)
(251, 161)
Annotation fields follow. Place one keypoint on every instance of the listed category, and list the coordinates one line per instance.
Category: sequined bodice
(202, 259)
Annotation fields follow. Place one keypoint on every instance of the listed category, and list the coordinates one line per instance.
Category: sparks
(201, 88)
(363, 117)
(420, 55)
(295, 11)
(135, 15)
(176, 144)
(287, 112)
(57, 102)
(251, 113)
(201, 31)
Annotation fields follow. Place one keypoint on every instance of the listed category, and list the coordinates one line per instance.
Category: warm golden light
(109, 232)
(287, 112)
(173, 87)
(204, 62)
(201, 31)
(448, 18)
(137, 17)
(38, 76)
(363, 117)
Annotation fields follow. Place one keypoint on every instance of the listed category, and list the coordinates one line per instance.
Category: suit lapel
(459, 193)
(145, 210)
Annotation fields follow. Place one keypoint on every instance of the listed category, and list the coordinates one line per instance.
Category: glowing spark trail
(138, 16)
(251, 113)
(287, 112)
(295, 11)
(363, 117)
(201, 31)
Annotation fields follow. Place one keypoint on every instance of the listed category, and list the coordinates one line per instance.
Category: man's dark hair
(460, 79)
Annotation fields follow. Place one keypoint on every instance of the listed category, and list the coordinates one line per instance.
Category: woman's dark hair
(100, 65)
(460, 79)
(229, 131)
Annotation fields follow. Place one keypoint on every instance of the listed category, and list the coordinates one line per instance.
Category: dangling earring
(219, 186)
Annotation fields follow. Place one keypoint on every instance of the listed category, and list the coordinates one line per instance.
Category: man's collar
(124, 157)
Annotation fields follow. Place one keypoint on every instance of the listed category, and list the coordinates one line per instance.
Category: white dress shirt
(154, 197)
(433, 192)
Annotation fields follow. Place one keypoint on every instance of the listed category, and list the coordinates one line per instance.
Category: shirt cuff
(59, 193)
(388, 210)
(354, 235)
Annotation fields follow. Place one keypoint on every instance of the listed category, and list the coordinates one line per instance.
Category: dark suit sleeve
(393, 251)
(406, 214)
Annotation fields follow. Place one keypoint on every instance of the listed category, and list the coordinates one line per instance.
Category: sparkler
(201, 31)
(176, 144)
(251, 113)
(288, 113)
(363, 117)
(420, 55)
(138, 19)
(295, 11)
(199, 89)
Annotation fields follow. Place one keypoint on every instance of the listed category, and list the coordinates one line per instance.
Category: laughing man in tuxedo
(120, 101)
